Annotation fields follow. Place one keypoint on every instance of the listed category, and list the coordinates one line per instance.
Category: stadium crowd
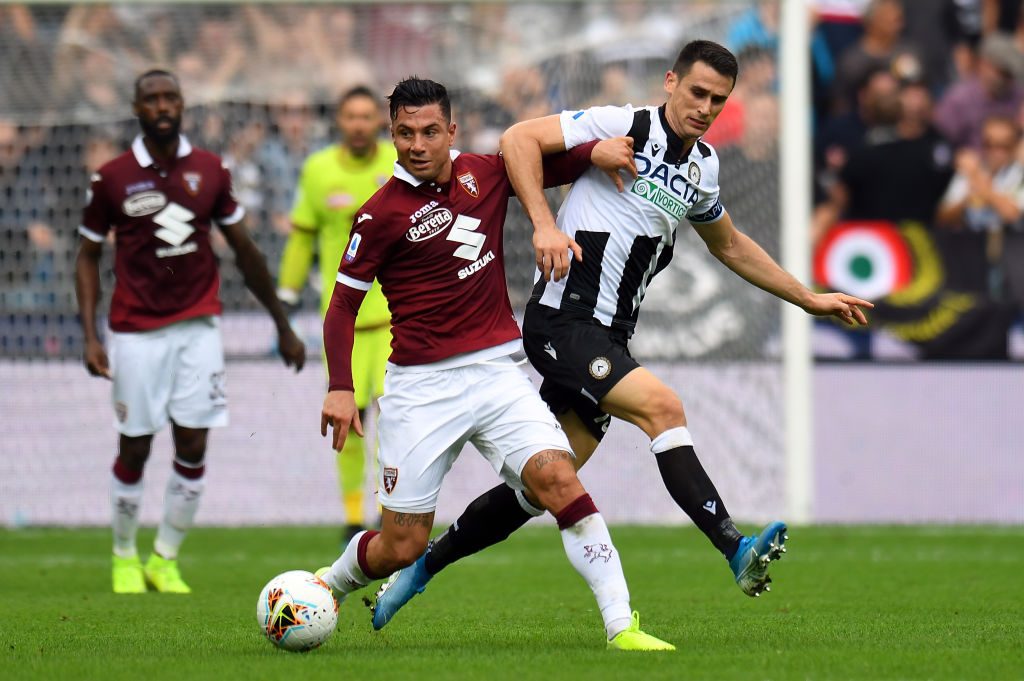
(918, 108)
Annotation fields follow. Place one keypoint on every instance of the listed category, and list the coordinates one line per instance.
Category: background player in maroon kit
(432, 236)
(161, 200)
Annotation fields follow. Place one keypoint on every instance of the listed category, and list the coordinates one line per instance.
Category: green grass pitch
(847, 603)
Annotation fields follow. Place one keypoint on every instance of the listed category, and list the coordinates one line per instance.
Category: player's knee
(662, 410)
(190, 445)
(134, 451)
(552, 479)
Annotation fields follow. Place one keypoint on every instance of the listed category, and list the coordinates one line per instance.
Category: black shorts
(579, 359)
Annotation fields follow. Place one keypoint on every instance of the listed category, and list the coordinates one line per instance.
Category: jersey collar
(405, 176)
(676, 145)
(145, 160)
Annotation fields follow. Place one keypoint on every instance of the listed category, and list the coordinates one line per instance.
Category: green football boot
(164, 576)
(634, 639)
(127, 576)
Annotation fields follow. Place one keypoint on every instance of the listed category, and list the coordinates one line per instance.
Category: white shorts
(175, 372)
(427, 418)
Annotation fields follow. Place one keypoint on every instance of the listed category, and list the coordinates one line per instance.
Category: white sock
(345, 575)
(590, 550)
(125, 502)
(180, 504)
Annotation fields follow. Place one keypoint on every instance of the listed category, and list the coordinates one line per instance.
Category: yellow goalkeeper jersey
(333, 185)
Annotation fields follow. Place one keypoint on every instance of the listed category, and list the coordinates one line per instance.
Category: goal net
(260, 83)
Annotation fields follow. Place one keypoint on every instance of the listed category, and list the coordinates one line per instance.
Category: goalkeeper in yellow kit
(334, 183)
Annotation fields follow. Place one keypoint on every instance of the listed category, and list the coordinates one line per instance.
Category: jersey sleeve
(708, 207)
(227, 210)
(566, 167)
(303, 213)
(368, 247)
(96, 216)
(595, 123)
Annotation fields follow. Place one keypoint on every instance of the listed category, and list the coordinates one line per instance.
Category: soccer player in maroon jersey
(432, 237)
(161, 200)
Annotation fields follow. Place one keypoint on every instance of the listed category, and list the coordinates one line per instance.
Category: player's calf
(373, 555)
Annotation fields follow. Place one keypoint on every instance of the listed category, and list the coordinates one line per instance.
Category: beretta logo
(430, 225)
(144, 203)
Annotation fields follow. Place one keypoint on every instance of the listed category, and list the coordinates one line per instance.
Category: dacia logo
(432, 224)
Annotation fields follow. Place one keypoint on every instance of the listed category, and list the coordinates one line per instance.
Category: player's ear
(671, 81)
(451, 133)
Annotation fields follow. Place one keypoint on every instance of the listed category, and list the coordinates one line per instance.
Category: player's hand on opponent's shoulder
(340, 412)
(615, 155)
(96, 359)
(840, 305)
(292, 350)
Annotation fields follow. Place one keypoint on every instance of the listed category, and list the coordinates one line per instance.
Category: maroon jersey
(161, 216)
(436, 250)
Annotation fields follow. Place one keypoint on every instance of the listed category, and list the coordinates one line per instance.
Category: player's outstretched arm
(523, 146)
(254, 271)
(743, 256)
(87, 290)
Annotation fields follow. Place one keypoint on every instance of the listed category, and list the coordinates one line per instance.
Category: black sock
(489, 519)
(693, 491)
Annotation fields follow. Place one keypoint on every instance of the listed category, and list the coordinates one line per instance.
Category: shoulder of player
(484, 166)
(707, 156)
(388, 203)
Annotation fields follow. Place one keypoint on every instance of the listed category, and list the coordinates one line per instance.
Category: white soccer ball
(297, 611)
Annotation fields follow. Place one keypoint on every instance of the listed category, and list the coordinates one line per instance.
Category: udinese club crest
(693, 173)
(192, 182)
(390, 479)
(469, 183)
(600, 367)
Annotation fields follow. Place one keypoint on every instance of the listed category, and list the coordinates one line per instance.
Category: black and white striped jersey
(627, 237)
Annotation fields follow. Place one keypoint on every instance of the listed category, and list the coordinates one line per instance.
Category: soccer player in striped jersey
(577, 327)
(334, 183)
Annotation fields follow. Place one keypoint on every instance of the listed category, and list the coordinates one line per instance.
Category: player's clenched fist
(340, 412)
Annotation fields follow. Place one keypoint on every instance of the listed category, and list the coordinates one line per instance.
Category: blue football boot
(398, 590)
(750, 562)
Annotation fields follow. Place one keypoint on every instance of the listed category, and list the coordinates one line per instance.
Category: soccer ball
(297, 611)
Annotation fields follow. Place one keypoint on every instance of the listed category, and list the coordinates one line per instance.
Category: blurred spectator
(757, 76)
(881, 47)
(843, 134)
(246, 173)
(984, 200)
(995, 90)
(215, 57)
(294, 135)
(631, 31)
(944, 32)
(25, 62)
(752, 193)
(899, 174)
(757, 27)
(523, 94)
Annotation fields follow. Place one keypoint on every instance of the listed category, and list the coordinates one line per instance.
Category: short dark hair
(150, 74)
(714, 55)
(357, 91)
(417, 92)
